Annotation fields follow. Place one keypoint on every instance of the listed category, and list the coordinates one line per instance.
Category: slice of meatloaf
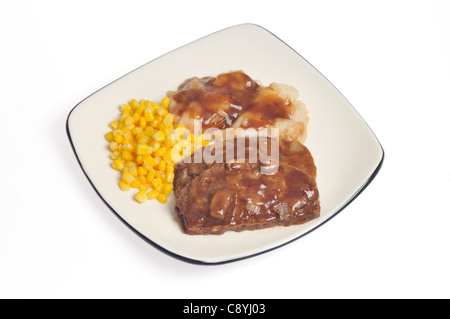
(216, 197)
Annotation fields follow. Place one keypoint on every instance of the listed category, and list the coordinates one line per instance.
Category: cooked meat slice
(290, 153)
(219, 197)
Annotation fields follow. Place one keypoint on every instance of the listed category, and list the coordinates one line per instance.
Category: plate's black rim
(200, 262)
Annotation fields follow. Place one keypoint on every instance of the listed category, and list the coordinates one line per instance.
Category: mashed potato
(234, 100)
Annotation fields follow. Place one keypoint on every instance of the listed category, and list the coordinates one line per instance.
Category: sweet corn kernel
(134, 103)
(148, 114)
(127, 134)
(161, 151)
(169, 177)
(118, 164)
(110, 136)
(133, 170)
(168, 120)
(150, 175)
(128, 147)
(142, 138)
(127, 156)
(125, 108)
(144, 187)
(162, 111)
(143, 149)
(130, 164)
(135, 183)
(114, 125)
(159, 136)
(166, 129)
(115, 155)
(155, 146)
(118, 138)
(129, 128)
(170, 143)
(124, 186)
(142, 171)
(140, 109)
(165, 102)
(157, 183)
(127, 177)
(113, 146)
(168, 158)
(149, 131)
(128, 120)
(142, 122)
(148, 162)
(162, 198)
(161, 175)
(162, 165)
(167, 188)
(170, 168)
(141, 196)
(155, 121)
(137, 130)
(152, 194)
(136, 117)
(142, 179)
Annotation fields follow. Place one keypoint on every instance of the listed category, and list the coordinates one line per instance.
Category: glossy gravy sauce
(238, 197)
(219, 101)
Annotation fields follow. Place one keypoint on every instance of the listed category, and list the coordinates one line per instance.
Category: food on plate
(234, 99)
(142, 142)
(214, 197)
(223, 175)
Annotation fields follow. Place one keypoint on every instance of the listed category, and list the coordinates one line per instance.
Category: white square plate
(346, 152)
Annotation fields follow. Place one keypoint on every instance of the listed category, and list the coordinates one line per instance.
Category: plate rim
(202, 262)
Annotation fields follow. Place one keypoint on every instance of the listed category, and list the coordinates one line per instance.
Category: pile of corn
(145, 148)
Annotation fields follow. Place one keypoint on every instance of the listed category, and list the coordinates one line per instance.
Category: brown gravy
(213, 197)
(219, 101)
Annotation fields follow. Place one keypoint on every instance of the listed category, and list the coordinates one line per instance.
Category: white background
(390, 59)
